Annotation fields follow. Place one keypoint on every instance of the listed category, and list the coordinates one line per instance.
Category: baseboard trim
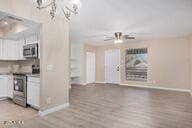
(3, 98)
(80, 83)
(54, 109)
(84, 84)
(100, 82)
(158, 87)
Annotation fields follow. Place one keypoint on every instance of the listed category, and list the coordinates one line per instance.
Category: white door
(112, 66)
(90, 67)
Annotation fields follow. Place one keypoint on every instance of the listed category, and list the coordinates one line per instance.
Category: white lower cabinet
(6, 86)
(3, 87)
(10, 86)
(33, 91)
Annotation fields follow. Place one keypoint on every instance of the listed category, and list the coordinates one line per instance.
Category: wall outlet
(154, 82)
(48, 101)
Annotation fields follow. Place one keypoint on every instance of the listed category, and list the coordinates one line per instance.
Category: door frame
(87, 82)
(119, 81)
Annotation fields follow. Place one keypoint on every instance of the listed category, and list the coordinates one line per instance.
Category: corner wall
(190, 63)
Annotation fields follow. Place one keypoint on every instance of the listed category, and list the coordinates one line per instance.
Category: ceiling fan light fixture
(118, 41)
(5, 22)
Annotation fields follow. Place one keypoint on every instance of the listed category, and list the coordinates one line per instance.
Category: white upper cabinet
(10, 50)
(20, 44)
(13, 49)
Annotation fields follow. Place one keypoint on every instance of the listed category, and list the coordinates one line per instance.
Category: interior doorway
(90, 67)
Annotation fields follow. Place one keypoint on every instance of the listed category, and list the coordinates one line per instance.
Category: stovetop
(21, 73)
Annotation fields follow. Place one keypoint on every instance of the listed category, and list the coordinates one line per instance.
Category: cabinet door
(36, 95)
(9, 50)
(3, 87)
(33, 94)
(10, 86)
(12, 50)
(20, 44)
(29, 94)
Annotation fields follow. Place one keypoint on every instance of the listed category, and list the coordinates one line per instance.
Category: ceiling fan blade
(95, 36)
(128, 37)
(108, 39)
(125, 36)
(99, 35)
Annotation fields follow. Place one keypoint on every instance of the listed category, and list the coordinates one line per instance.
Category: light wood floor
(12, 112)
(110, 106)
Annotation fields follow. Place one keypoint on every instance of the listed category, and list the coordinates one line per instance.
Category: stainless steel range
(20, 89)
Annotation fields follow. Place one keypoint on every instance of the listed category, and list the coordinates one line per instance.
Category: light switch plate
(49, 67)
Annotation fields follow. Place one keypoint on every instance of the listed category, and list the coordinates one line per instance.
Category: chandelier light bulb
(41, 3)
(76, 3)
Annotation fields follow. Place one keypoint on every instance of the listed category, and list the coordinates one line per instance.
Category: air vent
(13, 18)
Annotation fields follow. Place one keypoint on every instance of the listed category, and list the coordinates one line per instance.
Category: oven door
(19, 86)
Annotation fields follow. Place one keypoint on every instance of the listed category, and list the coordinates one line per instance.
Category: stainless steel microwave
(30, 50)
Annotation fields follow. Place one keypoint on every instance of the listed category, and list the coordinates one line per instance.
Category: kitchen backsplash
(17, 66)
(4, 66)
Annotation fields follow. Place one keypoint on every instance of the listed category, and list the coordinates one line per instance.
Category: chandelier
(69, 9)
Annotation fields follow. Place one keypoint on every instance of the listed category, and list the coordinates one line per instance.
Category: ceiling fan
(119, 38)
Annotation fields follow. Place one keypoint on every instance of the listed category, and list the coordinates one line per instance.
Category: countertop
(5, 73)
(33, 75)
(27, 74)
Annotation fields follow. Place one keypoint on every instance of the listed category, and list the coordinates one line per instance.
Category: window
(136, 64)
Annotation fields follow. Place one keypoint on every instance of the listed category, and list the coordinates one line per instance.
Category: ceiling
(17, 27)
(144, 19)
